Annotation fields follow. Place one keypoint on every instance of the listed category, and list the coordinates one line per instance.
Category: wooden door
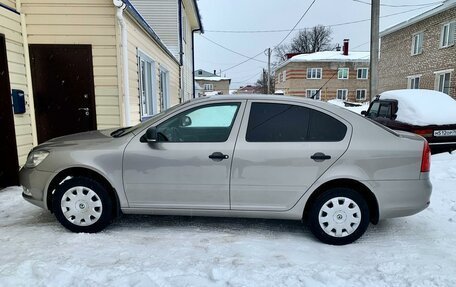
(62, 78)
(9, 165)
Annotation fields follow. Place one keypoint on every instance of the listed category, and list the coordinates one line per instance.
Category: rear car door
(282, 149)
(189, 165)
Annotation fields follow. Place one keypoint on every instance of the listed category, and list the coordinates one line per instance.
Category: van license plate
(445, 133)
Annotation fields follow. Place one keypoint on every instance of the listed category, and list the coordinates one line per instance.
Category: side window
(277, 123)
(211, 123)
(373, 111)
(324, 128)
(289, 123)
(385, 110)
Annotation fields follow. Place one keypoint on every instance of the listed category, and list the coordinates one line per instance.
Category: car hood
(90, 138)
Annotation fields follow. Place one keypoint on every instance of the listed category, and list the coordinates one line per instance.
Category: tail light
(426, 158)
(424, 133)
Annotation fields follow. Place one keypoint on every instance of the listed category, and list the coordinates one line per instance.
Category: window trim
(413, 78)
(313, 92)
(142, 56)
(338, 73)
(451, 24)
(420, 36)
(365, 94)
(211, 89)
(346, 94)
(314, 78)
(357, 74)
(165, 99)
(437, 81)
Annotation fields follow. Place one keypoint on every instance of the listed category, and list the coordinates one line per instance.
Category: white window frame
(311, 92)
(438, 79)
(284, 75)
(412, 82)
(314, 73)
(164, 89)
(208, 87)
(362, 69)
(146, 90)
(417, 43)
(344, 97)
(448, 39)
(358, 92)
(339, 73)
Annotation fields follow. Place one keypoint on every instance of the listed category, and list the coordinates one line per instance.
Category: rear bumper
(34, 184)
(439, 147)
(399, 198)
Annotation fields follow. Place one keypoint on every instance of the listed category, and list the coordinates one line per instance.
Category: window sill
(444, 47)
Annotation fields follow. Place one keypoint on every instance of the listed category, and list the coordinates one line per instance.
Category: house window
(447, 35)
(443, 82)
(362, 73)
(342, 74)
(313, 93)
(314, 73)
(361, 94)
(342, 94)
(208, 87)
(146, 85)
(164, 90)
(417, 43)
(284, 75)
(413, 82)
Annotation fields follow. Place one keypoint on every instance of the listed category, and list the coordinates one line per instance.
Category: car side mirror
(364, 113)
(185, 121)
(150, 136)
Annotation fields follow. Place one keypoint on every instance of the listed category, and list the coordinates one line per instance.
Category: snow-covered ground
(419, 250)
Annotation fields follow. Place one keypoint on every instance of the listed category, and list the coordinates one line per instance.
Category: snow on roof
(279, 92)
(331, 56)
(214, 79)
(423, 107)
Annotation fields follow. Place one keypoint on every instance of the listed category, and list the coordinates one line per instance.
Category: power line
(250, 58)
(232, 51)
(402, 5)
(302, 29)
(248, 79)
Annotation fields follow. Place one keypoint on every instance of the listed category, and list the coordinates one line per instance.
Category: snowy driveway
(179, 251)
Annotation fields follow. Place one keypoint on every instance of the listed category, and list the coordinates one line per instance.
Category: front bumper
(399, 198)
(34, 184)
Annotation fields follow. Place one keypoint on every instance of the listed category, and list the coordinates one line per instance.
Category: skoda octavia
(238, 156)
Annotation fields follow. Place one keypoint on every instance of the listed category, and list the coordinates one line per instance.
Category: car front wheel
(339, 216)
(82, 204)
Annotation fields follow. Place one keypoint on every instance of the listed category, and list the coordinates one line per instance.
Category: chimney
(345, 50)
(215, 73)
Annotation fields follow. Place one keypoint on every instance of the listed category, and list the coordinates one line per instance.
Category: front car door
(282, 149)
(189, 166)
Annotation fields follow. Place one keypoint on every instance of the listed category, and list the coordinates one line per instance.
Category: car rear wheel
(82, 204)
(339, 216)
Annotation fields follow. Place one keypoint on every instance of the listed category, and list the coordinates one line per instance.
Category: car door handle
(218, 156)
(319, 156)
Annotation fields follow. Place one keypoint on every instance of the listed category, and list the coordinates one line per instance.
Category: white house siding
(188, 59)
(82, 22)
(162, 16)
(139, 39)
(10, 26)
(9, 3)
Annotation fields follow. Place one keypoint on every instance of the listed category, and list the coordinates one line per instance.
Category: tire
(339, 216)
(82, 204)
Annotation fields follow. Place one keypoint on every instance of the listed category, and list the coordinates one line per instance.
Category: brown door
(62, 78)
(9, 165)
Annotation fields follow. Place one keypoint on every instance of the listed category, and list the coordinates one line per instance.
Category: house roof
(328, 56)
(131, 10)
(446, 5)
(212, 79)
(197, 15)
(203, 73)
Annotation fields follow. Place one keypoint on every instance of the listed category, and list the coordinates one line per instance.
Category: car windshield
(126, 130)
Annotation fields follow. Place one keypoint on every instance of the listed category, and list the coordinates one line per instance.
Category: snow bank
(170, 251)
(423, 107)
(358, 110)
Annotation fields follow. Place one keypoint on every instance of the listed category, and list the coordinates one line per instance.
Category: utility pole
(375, 19)
(269, 71)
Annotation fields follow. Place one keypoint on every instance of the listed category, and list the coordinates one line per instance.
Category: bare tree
(315, 39)
(262, 83)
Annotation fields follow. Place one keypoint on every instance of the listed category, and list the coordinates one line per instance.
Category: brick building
(420, 52)
(339, 75)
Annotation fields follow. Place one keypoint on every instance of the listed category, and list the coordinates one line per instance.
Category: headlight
(36, 157)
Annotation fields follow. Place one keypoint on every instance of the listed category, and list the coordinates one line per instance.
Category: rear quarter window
(325, 128)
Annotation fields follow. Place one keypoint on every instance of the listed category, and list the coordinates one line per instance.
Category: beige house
(82, 65)
(325, 76)
(175, 22)
(211, 83)
(420, 53)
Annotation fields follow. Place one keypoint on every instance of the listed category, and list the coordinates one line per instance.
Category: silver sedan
(238, 156)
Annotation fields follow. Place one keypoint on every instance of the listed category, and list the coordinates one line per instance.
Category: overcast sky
(255, 15)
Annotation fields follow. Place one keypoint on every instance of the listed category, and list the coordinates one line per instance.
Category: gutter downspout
(193, 61)
(181, 52)
(124, 58)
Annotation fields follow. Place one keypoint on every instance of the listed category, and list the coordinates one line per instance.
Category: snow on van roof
(423, 107)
